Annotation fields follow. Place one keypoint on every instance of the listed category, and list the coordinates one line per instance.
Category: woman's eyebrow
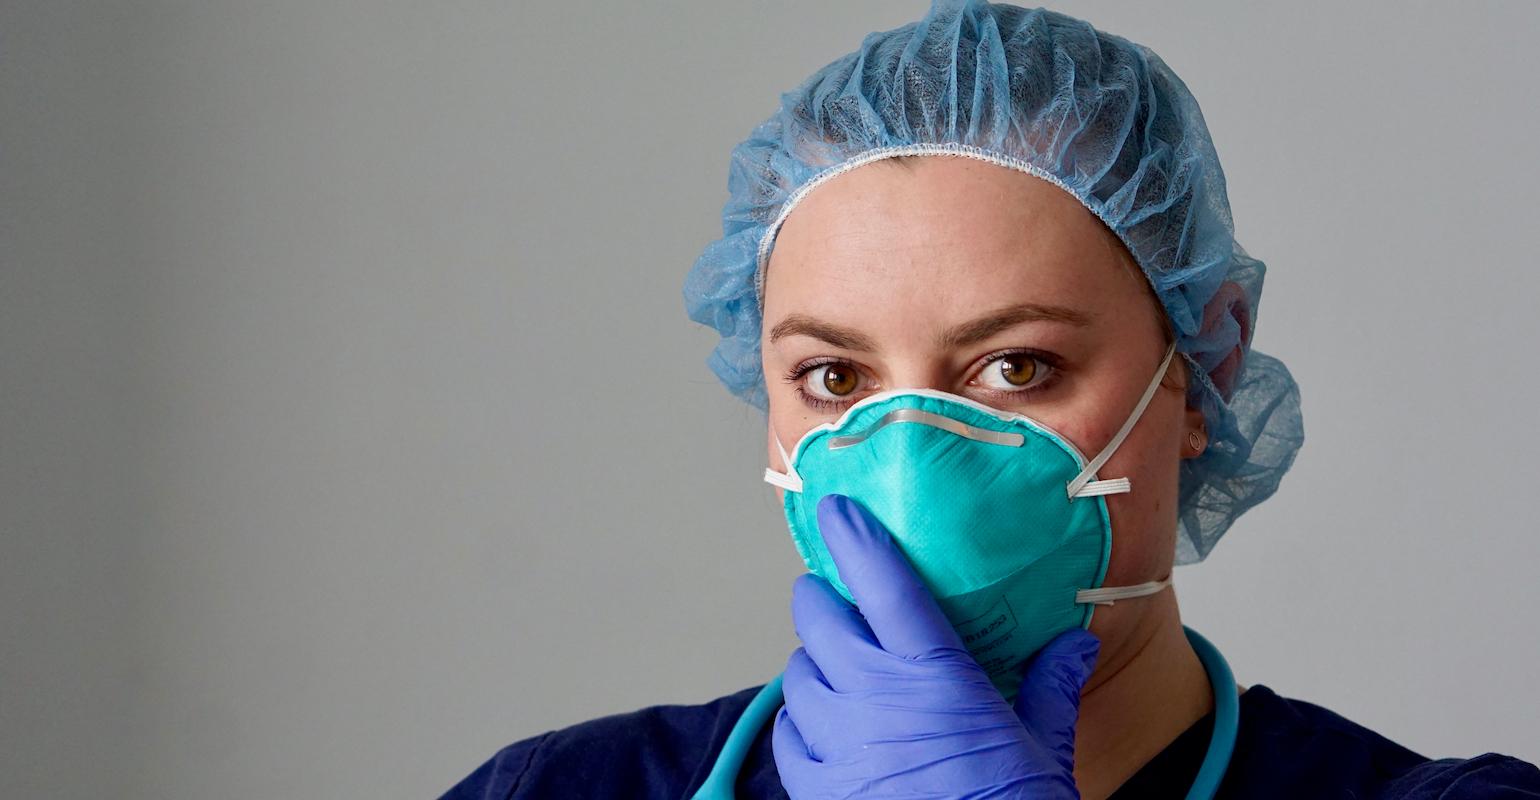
(986, 326)
(841, 337)
(956, 336)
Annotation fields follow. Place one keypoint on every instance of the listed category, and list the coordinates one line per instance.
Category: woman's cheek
(1143, 520)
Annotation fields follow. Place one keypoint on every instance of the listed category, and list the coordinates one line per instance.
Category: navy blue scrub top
(1285, 749)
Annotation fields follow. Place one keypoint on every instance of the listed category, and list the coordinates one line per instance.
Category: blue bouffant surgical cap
(1098, 116)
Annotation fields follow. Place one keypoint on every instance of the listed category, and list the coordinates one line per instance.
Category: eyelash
(794, 376)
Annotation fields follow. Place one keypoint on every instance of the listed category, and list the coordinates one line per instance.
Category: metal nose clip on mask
(1002, 517)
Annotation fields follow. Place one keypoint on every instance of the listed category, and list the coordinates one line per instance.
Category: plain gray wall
(351, 426)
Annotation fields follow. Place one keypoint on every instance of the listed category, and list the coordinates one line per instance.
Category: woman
(981, 276)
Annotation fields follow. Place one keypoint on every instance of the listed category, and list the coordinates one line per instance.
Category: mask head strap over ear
(788, 480)
(1082, 485)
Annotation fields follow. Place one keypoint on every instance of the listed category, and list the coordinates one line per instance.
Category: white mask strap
(788, 480)
(1108, 596)
(1082, 485)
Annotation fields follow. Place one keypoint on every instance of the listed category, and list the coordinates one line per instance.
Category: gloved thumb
(1048, 703)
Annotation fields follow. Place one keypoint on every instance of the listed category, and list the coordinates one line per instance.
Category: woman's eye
(832, 381)
(1014, 372)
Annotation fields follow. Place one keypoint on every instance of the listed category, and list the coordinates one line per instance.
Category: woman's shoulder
(1295, 749)
(658, 751)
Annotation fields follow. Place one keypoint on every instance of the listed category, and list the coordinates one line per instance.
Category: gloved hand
(887, 702)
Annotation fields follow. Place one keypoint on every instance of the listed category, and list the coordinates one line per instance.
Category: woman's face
(972, 278)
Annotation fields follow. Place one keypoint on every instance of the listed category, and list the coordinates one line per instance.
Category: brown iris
(839, 380)
(1018, 370)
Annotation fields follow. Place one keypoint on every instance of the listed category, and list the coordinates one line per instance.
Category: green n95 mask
(1003, 518)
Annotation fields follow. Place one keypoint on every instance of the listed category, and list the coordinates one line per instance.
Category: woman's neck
(1149, 697)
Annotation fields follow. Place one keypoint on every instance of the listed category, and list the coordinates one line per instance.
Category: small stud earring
(1195, 441)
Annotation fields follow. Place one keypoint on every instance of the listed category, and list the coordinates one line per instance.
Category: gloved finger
(1048, 703)
(833, 632)
(791, 754)
(809, 700)
(902, 613)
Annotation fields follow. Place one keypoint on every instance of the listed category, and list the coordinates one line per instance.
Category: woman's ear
(1194, 437)
(1228, 307)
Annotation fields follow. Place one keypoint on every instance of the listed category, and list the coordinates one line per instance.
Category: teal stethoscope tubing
(1227, 713)
(724, 773)
(1227, 717)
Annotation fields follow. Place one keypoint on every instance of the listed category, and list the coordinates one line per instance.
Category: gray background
(351, 426)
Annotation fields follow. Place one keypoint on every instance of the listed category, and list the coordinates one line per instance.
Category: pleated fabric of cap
(1099, 116)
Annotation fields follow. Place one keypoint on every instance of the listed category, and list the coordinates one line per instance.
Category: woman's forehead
(945, 231)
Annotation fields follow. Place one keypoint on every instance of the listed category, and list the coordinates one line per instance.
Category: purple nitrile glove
(885, 701)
